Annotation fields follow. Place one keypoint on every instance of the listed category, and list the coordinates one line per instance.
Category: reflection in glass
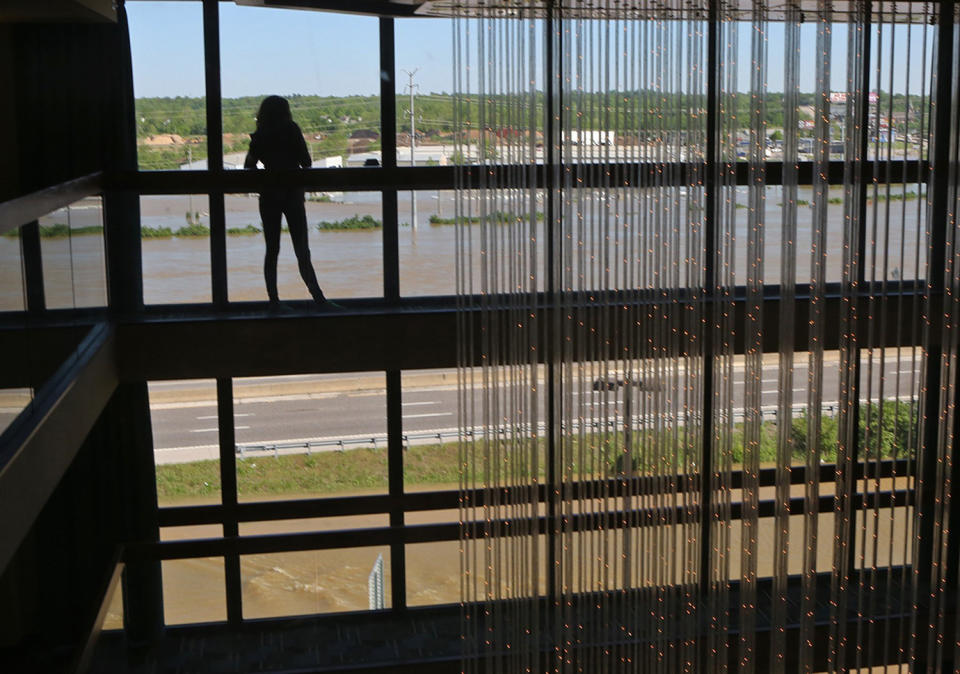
(72, 250)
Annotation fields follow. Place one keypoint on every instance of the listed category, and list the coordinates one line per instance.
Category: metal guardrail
(376, 441)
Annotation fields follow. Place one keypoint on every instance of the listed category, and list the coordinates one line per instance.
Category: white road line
(214, 416)
(431, 402)
(434, 414)
(211, 430)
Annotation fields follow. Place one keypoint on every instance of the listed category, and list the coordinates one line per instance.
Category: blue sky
(266, 51)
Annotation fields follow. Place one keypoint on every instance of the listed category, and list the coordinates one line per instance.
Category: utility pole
(413, 145)
(190, 167)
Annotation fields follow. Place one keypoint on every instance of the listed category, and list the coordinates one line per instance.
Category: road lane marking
(431, 402)
(211, 430)
(235, 414)
(433, 414)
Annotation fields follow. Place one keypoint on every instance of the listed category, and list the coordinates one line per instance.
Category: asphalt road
(324, 411)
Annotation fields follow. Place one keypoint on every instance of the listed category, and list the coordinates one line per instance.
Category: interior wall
(67, 105)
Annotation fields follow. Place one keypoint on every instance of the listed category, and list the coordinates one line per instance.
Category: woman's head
(274, 111)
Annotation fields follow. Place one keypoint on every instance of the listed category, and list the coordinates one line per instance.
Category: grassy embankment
(334, 472)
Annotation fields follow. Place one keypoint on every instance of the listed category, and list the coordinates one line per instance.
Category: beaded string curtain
(700, 317)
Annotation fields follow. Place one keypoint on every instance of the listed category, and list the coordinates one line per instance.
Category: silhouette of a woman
(278, 144)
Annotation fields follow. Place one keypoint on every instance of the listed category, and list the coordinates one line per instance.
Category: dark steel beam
(19, 211)
(218, 226)
(389, 339)
(228, 495)
(452, 531)
(32, 267)
(38, 448)
(30, 354)
(445, 177)
(388, 141)
(366, 7)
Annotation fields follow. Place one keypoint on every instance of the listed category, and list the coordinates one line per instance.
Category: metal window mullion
(32, 266)
(388, 142)
(861, 177)
(228, 495)
(218, 238)
(398, 588)
(709, 294)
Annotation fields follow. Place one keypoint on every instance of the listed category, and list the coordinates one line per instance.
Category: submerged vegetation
(497, 217)
(353, 222)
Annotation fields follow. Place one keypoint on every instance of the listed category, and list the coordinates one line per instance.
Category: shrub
(155, 233)
(353, 222)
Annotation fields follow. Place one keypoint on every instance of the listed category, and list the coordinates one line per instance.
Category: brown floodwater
(350, 263)
(329, 581)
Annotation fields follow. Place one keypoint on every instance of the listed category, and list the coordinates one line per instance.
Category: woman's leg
(297, 223)
(270, 212)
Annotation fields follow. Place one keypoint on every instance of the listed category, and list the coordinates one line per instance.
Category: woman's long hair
(274, 112)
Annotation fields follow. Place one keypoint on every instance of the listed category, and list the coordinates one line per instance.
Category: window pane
(176, 248)
(334, 100)
(194, 590)
(345, 240)
(12, 402)
(186, 445)
(428, 255)
(430, 430)
(314, 581)
(308, 436)
(72, 249)
(11, 272)
(166, 41)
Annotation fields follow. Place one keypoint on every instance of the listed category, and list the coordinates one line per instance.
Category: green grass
(246, 230)
(497, 217)
(600, 454)
(59, 230)
(353, 222)
(318, 473)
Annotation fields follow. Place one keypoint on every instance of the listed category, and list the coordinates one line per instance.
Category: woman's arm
(304, 160)
(252, 156)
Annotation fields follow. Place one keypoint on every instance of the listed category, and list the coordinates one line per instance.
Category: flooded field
(350, 263)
